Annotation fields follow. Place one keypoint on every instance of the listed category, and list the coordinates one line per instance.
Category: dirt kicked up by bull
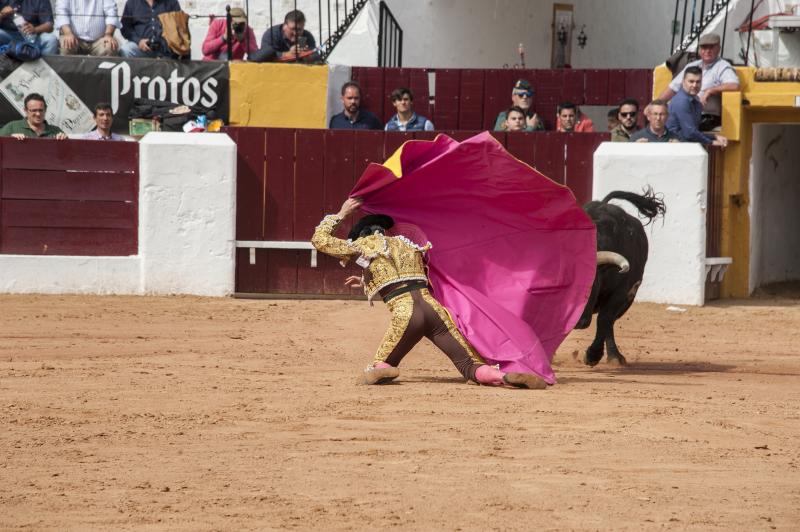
(621, 257)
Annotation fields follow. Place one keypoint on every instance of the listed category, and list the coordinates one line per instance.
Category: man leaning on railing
(289, 42)
(34, 124)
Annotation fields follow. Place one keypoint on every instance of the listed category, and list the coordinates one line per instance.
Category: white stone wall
(187, 199)
(675, 271)
(485, 33)
(774, 213)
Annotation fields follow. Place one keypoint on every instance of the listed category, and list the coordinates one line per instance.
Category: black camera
(239, 27)
(154, 43)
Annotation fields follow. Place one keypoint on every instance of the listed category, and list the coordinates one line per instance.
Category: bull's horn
(609, 257)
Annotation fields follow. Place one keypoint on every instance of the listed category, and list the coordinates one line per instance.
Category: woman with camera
(243, 39)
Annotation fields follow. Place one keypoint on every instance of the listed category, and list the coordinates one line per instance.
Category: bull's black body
(614, 291)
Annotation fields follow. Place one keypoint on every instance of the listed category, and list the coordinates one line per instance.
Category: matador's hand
(350, 206)
(354, 281)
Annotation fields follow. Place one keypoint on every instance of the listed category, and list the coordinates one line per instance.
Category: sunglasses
(526, 94)
(628, 115)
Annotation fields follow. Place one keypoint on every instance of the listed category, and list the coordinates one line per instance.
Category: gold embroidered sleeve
(325, 242)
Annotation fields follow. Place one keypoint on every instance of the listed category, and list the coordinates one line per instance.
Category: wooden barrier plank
(522, 146)
(339, 159)
(282, 267)
(616, 87)
(88, 241)
(419, 85)
(547, 112)
(250, 181)
(497, 95)
(309, 173)
(596, 91)
(367, 148)
(470, 109)
(573, 86)
(549, 154)
(251, 278)
(64, 185)
(459, 135)
(636, 87)
(279, 183)
(372, 87)
(392, 140)
(549, 84)
(426, 135)
(309, 187)
(50, 154)
(393, 78)
(447, 94)
(500, 136)
(76, 214)
(580, 151)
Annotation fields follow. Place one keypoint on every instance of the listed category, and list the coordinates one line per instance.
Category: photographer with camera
(141, 26)
(215, 46)
(289, 42)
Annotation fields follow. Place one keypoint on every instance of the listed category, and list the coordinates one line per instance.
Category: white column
(187, 213)
(675, 271)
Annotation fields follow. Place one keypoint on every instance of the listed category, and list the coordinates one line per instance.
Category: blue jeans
(47, 43)
(131, 49)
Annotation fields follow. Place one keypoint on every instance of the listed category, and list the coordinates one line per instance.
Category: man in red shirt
(215, 45)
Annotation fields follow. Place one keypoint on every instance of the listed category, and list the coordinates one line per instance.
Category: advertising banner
(72, 86)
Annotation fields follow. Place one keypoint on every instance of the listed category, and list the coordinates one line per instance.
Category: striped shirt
(87, 18)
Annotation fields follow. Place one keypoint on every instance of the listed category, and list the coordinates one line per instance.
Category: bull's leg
(614, 356)
(594, 353)
(588, 310)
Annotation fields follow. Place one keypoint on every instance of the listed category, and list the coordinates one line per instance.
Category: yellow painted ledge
(277, 95)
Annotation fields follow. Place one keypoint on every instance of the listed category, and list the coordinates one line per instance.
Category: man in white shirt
(87, 27)
(718, 77)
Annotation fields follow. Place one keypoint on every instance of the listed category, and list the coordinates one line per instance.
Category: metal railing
(691, 18)
(390, 39)
(338, 20)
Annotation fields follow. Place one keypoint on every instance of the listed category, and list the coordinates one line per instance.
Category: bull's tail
(650, 206)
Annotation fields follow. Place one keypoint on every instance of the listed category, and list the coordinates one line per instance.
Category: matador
(394, 269)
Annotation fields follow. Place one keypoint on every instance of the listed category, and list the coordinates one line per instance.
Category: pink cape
(513, 255)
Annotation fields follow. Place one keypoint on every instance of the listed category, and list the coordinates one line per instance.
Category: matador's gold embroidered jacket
(388, 259)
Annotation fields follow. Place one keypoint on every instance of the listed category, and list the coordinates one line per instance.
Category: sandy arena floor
(184, 413)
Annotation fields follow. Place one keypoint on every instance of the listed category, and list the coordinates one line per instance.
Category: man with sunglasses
(522, 97)
(627, 116)
(718, 77)
(34, 125)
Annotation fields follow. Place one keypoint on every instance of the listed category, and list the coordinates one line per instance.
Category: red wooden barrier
(69, 197)
(309, 172)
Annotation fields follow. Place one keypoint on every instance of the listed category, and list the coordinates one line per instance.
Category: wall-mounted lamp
(561, 35)
(582, 38)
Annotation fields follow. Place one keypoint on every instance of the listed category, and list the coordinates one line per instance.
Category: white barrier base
(187, 212)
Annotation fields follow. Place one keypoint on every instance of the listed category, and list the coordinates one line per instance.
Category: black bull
(622, 254)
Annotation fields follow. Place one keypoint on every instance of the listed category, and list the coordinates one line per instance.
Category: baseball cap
(237, 15)
(523, 85)
(709, 39)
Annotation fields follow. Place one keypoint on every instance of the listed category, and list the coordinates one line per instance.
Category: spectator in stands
(142, 28)
(287, 42)
(718, 77)
(34, 124)
(685, 111)
(515, 119)
(87, 27)
(522, 97)
(38, 15)
(569, 119)
(215, 45)
(627, 117)
(406, 119)
(103, 119)
(656, 130)
(613, 121)
(353, 117)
